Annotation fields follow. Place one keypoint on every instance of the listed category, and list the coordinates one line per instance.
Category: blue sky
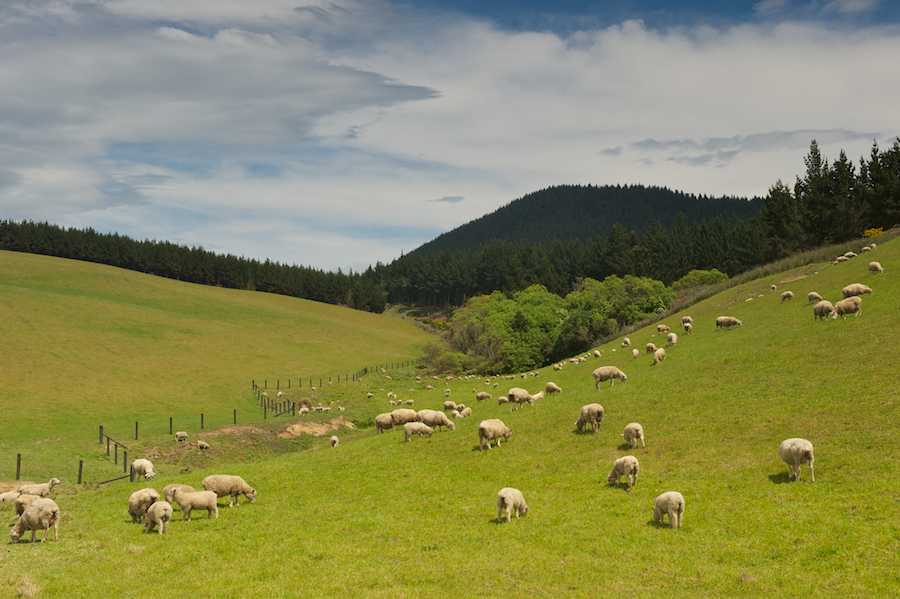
(339, 133)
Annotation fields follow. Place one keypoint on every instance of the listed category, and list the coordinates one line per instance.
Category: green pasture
(377, 517)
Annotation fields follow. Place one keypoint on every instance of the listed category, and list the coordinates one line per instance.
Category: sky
(338, 134)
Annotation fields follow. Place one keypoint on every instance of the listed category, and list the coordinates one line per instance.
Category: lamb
(823, 310)
(491, 429)
(40, 515)
(41, 490)
(608, 373)
(416, 428)
(203, 444)
(169, 491)
(449, 405)
(142, 467)
(383, 422)
(160, 513)
(650, 347)
(140, 501)
(672, 338)
(659, 355)
(24, 501)
(225, 484)
(849, 305)
(787, 295)
(434, 418)
(726, 322)
(335, 441)
(401, 416)
(181, 436)
(511, 500)
(592, 414)
(857, 289)
(662, 328)
(626, 342)
(633, 432)
(198, 500)
(627, 466)
(635, 354)
(483, 396)
(672, 503)
(517, 396)
(875, 267)
(795, 452)
(812, 296)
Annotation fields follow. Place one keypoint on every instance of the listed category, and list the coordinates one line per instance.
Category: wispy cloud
(449, 199)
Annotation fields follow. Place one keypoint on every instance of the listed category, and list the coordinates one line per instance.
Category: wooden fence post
(135, 431)
(116, 450)
(125, 464)
(170, 425)
(235, 415)
(80, 469)
(107, 447)
(18, 465)
(201, 421)
(101, 435)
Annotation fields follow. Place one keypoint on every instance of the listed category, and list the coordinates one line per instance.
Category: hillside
(570, 212)
(378, 517)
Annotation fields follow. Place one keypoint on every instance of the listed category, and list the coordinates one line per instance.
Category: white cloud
(851, 6)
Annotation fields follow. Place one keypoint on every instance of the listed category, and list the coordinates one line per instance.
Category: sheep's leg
(673, 517)
(812, 475)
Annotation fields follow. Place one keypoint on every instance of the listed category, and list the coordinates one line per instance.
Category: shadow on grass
(584, 432)
(780, 478)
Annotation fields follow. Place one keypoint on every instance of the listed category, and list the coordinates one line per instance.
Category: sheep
(169, 491)
(435, 418)
(198, 500)
(383, 422)
(226, 484)
(635, 354)
(857, 289)
(416, 428)
(626, 342)
(786, 296)
(873, 245)
(556, 367)
(40, 515)
(850, 305)
(410, 402)
(511, 500)
(24, 501)
(795, 452)
(633, 432)
(659, 355)
(672, 503)
(449, 405)
(840, 259)
(865, 249)
(662, 328)
(628, 466)
(686, 320)
(592, 414)
(650, 347)
(160, 513)
(304, 410)
(875, 267)
(608, 373)
(483, 396)
(401, 416)
(460, 406)
(849, 254)
(726, 322)
(550, 387)
(823, 310)
(335, 441)
(672, 338)
(9, 496)
(517, 396)
(811, 297)
(491, 429)
(181, 436)
(202, 445)
(142, 467)
(455, 414)
(598, 353)
(446, 392)
(139, 501)
(465, 412)
(688, 327)
(41, 490)
(773, 288)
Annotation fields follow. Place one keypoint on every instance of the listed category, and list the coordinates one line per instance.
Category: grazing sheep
(795, 452)
(659, 355)
(139, 501)
(662, 328)
(511, 500)
(181, 436)
(850, 255)
(483, 396)
(635, 354)
(40, 515)
(865, 249)
(23, 501)
(142, 467)
(335, 441)
(401, 416)
(434, 419)
(160, 513)
(608, 373)
(787, 295)
(857, 289)
(823, 310)
(726, 322)
(671, 503)
(626, 342)
(410, 402)
(198, 500)
(304, 410)
(460, 406)
(370, 395)
(227, 484)
(672, 338)
(686, 320)
(598, 353)
(633, 432)
(849, 305)
(773, 288)
(591, 414)
(627, 466)
(650, 347)
(875, 267)
(491, 429)
(840, 259)
(41, 490)
(502, 400)
(465, 412)
(455, 414)
(383, 422)
(9, 496)
(518, 396)
(416, 428)
(873, 245)
(449, 405)
(169, 491)
(812, 296)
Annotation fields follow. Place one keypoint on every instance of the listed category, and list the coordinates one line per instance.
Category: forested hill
(575, 212)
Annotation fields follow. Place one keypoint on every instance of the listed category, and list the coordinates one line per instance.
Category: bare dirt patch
(316, 429)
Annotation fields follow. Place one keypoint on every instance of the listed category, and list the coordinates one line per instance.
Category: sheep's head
(251, 495)
(451, 426)
(14, 536)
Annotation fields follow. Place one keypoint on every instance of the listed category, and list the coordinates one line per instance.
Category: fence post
(18, 465)
(266, 382)
(278, 384)
(80, 468)
(135, 431)
(170, 425)
(125, 464)
(101, 434)
(235, 415)
(107, 447)
(201, 421)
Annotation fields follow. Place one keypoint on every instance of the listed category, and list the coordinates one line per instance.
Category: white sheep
(811, 297)
(786, 296)
(9, 496)
(849, 254)
(198, 500)
(848, 305)
(416, 428)
(662, 328)
(773, 288)
(202, 445)
(23, 501)
(873, 245)
(335, 441)
(857, 289)
(435, 419)
(659, 355)
(483, 396)
(511, 500)
(635, 354)
(455, 414)
(823, 310)
(795, 452)
(633, 432)
(449, 405)
(598, 353)
(518, 396)
(410, 402)
(383, 422)
(227, 484)
(169, 491)
(401, 416)
(40, 515)
(142, 467)
(139, 501)
(551, 387)
(672, 338)
(671, 503)
(465, 412)
(304, 410)
(688, 327)
(726, 322)
(491, 429)
(41, 490)
(158, 514)
(626, 342)
(592, 414)
(181, 436)
(875, 267)
(650, 348)
(608, 373)
(686, 320)
(627, 466)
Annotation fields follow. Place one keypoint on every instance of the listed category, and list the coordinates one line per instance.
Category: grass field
(376, 517)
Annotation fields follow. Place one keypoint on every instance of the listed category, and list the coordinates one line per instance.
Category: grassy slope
(379, 518)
